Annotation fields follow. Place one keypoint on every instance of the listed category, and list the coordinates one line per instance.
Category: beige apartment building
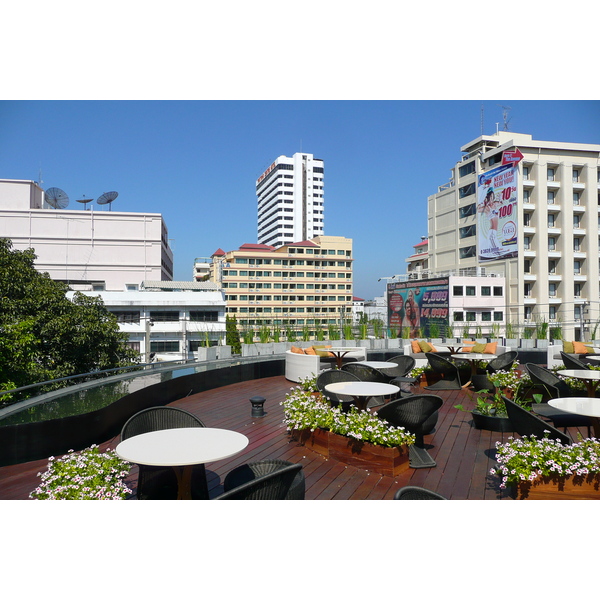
(529, 210)
(307, 283)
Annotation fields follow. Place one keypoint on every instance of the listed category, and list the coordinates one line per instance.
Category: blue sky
(196, 162)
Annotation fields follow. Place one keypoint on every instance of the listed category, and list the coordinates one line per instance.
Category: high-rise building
(528, 210)
(302, 284)
(290, 200)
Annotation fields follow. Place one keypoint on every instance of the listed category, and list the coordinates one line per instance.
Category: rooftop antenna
(505, 110)
(108, 198)
(85, 201)
(56, 198)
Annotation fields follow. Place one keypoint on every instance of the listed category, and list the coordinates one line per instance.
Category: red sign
(511, 156)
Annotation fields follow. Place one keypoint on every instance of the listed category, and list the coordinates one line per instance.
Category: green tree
(232, 335)
(43, 334)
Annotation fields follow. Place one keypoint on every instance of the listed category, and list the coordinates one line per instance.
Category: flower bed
(545, 468)
(86, 475)
(356, 437)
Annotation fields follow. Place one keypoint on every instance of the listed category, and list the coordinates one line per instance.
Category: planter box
(385, 461)
(578, 487)
(491, 423)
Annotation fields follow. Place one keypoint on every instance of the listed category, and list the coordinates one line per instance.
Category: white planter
(511, 343)
(204, 353)
(393, 344)
(249, 350)
(527, 343)
(223, 351)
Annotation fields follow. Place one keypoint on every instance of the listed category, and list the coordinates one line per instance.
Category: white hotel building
(290, 200)
(553, 272)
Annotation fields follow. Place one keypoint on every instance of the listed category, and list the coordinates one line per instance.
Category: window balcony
(529, 183)
(553, 184)
(554, 300)
(554, 208)
(554, 277)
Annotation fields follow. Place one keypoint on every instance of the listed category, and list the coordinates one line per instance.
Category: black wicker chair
(526, 423)
(449, 372)
(412, 492)
(251, 471)
(367, 373)
(160, 483)
(556, 388)
(413, 413)
(503, 362)
(399, 374)
(573, 363)
(272, 486)
(333, 376)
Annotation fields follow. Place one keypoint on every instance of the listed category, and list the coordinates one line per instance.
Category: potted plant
(489, 412)
(356, 437)
(546, 469)
(85, 475)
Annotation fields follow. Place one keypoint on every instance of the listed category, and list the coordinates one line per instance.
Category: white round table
(474, 358)
(181, 448)
(590, 407)
(361, 391)
(377, 364)
(589, 376)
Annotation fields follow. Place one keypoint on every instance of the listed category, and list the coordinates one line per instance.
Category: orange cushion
(490, 348)
(433, 348)
(581, 348)
(415, 346)
(320, 350)
(296, 350)
(467, 346)
(310, 350)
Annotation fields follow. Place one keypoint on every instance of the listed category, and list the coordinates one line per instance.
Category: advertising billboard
(497, 213)
(417, 305)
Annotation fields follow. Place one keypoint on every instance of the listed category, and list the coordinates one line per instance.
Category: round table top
(589, 407)
(181, 446)
(377, 364)
(474, 356)
(580, 373)
(362, 388)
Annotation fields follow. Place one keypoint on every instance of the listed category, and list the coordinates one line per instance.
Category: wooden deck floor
(464, 455)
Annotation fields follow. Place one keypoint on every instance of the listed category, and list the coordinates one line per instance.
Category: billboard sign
(497, 213)
(417, 305)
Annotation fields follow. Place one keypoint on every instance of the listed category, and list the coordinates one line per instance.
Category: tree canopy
(43, 334)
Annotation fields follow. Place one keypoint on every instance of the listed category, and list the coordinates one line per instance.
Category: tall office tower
(527, 210)
(290, 200)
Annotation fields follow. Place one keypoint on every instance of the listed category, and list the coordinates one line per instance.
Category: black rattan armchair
(254, 470)
(412, 492)
(449, 372)
(272, 486)
(160, 483)
(399, 375)
(502, 362)
(573, 363)
(413, 413)
(556, 388)
(526, 423)
(333, 376)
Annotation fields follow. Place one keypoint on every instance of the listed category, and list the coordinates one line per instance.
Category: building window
(527, 196)
(498, 291)
(470, 290)
(576, 173)
(165, 316)
(551, 266)
(576, 221)
(466, 211)
(466, 169)
(528, 313)
(551, 220)
(459, 316)
(552, 313)
(577, 290)
(551, 243)
(467, 252)
(466, 190)
(486, 316)
(527, 266)
(164, 346)
(469, 231)
(486, 290)
(551, 173)
(204, 315)
(577, 267)
(470, 316)
(498, 315)
(526, 172)
(457, 290)
(527, 290)
(577, 244)
(552, 290)
(576, 198)
(527, 242)
(127, 316)
(527, 219)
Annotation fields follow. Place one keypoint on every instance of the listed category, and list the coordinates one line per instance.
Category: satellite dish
(84, 201)
(57, 198)
(107, 198)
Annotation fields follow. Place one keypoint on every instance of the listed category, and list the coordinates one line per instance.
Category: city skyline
(196, 162)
